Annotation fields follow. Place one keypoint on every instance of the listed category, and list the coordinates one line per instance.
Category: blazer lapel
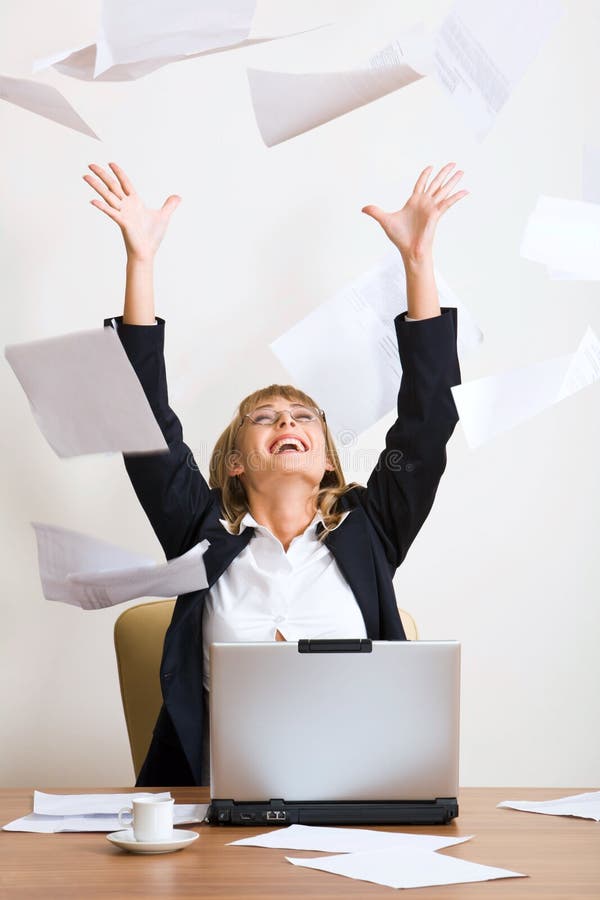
(349, 545)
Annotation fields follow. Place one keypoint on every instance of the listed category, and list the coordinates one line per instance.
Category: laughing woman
(295, 552)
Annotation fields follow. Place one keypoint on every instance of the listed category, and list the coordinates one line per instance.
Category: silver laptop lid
(382, 725)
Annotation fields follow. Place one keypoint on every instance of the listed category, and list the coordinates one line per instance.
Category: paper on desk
(85, 395)
(362, 317)
(44, 100)
(483, 50)
(565, 235)
(405, 868)
(83, 571)
(289, 103)
(346, 840)
(137, 37)
(92, 812)
(491, 405)
(584, 806)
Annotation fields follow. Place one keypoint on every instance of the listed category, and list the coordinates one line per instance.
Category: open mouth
(288, 445)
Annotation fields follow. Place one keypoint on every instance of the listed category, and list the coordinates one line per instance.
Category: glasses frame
(320, 414)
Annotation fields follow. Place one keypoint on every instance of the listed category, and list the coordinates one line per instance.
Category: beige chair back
(139, 637)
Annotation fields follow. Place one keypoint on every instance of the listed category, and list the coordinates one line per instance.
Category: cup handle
(126, 811)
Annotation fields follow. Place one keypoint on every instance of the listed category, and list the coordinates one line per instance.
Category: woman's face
(269, 451)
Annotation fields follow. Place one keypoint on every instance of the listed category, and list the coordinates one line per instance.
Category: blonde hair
(234, 501)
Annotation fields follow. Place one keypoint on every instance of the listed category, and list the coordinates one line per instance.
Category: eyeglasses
(267, 416)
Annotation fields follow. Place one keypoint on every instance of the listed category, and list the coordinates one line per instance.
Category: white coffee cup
(152, 818)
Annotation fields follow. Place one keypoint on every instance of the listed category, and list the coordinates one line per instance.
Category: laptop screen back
(382, 725)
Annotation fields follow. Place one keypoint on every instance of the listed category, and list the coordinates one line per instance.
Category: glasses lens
(267, 416)
(303, 413)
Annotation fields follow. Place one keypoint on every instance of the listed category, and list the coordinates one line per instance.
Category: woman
(294, 551)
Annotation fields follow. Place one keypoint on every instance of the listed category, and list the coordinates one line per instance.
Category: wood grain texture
(561, 855)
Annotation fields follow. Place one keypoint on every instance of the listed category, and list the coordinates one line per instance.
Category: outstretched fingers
(107, 195)
(450, 201)
(422, 180)
(443, 191)
(124, 182)
(111, 183)
(440, 177)
(108, 210)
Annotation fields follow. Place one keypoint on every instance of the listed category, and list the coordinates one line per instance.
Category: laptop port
(247, 817)
(276, 815)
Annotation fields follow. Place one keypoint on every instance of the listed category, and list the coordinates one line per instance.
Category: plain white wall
(507, 561)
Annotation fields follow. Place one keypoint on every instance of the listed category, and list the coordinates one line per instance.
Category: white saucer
(177, 841)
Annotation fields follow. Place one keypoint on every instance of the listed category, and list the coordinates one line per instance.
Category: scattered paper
(92, 812)
(85, 395)
(590, 194)
(92, 574)
(483, 50)
(491, 405)
(361, 316)
(565, 236)
(346, 840)
(405, 868)
(584, 806)
(44, 100)
(289, 103)
(137, 37)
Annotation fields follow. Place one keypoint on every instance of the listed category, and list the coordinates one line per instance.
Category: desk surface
(561, 855)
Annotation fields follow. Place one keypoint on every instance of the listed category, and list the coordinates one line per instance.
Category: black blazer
(368, 546)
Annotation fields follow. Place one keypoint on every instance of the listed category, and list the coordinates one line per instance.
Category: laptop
(334, 732)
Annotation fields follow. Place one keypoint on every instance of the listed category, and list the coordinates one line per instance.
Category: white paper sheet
(44, 100)
(489, 406)
(565, 236)
(85, 395)
(584, 806)
(289, 103)
(483, 50)
(590, 193)
(361, 316)
(82, 571)
(405, 868)
(55, 813)
(347, 840)
(137, 37)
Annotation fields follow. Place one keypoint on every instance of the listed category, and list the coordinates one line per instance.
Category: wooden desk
(561, 855)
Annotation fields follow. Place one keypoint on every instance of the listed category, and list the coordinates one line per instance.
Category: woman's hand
(143, 229)
(412, 228)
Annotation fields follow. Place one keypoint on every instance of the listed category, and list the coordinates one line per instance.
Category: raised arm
(402, 487)
(169, 485)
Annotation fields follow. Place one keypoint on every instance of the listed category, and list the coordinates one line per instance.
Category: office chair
(139, 636)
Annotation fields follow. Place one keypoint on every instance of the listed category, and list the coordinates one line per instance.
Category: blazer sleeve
(169, 485)
(402, 487)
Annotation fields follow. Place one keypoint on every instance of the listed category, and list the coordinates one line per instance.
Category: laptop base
(280, 812)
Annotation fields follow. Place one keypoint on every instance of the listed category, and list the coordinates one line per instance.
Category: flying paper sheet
(287, 104)
(483, 50)
(137, 37)
(44, 100)
(489, 406)
(565, 235)
(85, 395)
(54, 813)
(590, 194)
(405, 868)
(346, 840)
(584, 806)
(83, 571)
(361, 317)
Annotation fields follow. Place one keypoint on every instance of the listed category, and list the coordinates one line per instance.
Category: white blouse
(301, 593)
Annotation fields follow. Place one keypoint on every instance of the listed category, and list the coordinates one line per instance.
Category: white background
(507, 562)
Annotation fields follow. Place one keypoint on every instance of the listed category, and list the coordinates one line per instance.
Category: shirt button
(279, 620)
